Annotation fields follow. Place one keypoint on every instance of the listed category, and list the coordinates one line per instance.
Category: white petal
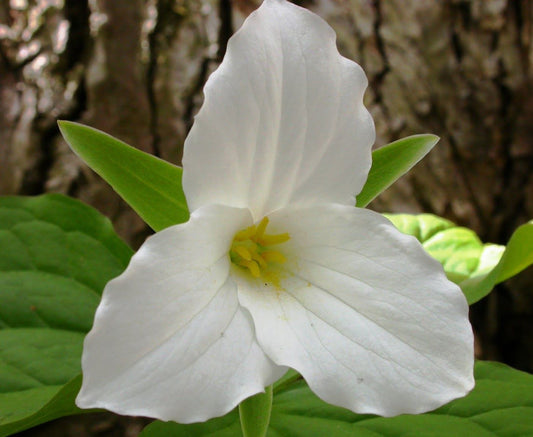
(365, 315)
(169, 338)
(283, 120)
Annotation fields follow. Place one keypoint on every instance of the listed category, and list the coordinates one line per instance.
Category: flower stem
(255, 414)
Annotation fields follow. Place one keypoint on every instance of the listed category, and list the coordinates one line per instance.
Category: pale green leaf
(392, 161)
(151, 186)
(476, 267)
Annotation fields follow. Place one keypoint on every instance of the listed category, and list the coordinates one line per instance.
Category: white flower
(276, 268)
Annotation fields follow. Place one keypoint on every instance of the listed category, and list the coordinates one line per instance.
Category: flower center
(252, 250)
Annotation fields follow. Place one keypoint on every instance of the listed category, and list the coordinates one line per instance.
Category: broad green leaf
(500, 392)
(474, 266)
(392, 161)
(150, 185)
(42, 406)
(57, 255)
(501, 404)
(226, 426)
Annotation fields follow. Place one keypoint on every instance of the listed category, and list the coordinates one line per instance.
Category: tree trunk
(136, 68)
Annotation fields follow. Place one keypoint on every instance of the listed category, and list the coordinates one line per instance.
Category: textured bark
(135, 69)
(461, 70)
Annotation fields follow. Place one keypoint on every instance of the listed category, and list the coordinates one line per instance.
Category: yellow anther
(273, 256)
(252, 266)
(251, 250)
(261, 227)
(243, 252)
(245, 234)
(269, 240)
(259, 259)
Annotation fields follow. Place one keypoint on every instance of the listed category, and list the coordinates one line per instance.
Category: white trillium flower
(276, 268)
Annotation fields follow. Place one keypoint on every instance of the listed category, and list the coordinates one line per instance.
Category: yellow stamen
(260, 260)
(251, 249)
(273, 256)
(269, 240)
(245, 234)
(252, 266)
(261, 227)
(243, 252)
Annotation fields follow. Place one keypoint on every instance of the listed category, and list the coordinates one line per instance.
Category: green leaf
(226, 426)
(485, 412)
(517, 256)
(392, 161)
(518, 253)
(464, 257)
(151, 186)
(57, 255)
(500, 392)
(39, 406)
(501, 404)
(474, 266)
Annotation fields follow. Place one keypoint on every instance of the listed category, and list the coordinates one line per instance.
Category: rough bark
(461, 70)
(135, 68)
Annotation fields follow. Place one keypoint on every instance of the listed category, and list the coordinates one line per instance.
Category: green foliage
(474, 266)
(150, 185)
(501, 404)
(57, 255)
(392, 161)
(29, 408)
(225, 426)
(518, 255)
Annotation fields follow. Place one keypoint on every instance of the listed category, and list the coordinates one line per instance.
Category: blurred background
(460, 69)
